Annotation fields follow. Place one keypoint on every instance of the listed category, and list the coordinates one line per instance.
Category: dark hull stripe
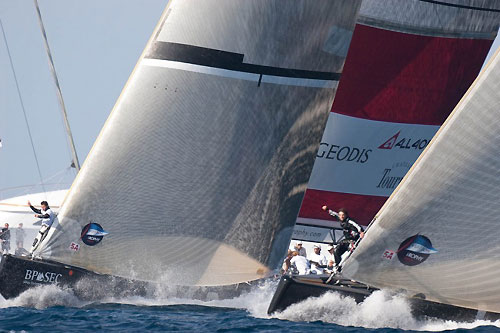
(228, 60)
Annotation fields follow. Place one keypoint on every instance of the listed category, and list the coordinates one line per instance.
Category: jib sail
(437, 235)
(409, 64)
(199, 172)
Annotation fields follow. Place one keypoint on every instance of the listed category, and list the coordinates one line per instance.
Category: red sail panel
(393, 82)
(361, 207)
(401, 77)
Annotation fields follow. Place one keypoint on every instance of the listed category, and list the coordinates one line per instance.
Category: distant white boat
(15, 211)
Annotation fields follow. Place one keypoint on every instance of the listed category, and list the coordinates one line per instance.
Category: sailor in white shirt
(300, 263)
(318, 261)
(47, 217)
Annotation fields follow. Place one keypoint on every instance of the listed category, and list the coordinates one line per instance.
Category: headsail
(198, 174)
(438, 233)
(408, 66)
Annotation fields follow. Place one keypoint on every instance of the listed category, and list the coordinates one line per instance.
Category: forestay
(437, 235)
(409, 64)
(199, 172)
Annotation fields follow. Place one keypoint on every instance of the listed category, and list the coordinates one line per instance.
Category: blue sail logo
(92, 234)
(415, 250)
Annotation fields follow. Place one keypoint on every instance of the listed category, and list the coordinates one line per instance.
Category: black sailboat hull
(294, 289)
(18, 274)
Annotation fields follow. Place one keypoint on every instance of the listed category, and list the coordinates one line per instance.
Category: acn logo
(404, 143)
(390, 143)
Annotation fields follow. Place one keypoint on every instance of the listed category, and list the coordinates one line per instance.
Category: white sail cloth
(438, 233)
(198, 174)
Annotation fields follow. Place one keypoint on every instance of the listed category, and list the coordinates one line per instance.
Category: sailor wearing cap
(318, 261)
(300, 249)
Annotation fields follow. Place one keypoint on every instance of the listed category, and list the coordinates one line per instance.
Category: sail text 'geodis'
(409, 64)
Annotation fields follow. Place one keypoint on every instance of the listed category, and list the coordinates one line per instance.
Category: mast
(75, 163)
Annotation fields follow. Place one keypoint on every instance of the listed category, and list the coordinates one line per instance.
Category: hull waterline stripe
(228, 60)
(259, 79)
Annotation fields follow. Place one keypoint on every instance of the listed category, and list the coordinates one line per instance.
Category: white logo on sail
(94, 232)
(419, 248)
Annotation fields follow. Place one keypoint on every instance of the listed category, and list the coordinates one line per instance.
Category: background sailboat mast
(75, 162)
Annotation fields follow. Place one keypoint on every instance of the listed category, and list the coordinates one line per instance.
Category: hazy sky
(95, 45)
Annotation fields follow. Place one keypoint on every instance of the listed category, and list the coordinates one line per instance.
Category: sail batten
(196, 176)
(450, 200)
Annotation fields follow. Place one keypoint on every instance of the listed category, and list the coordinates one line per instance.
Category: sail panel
(200, 169)
(399, 84)
(437, 234)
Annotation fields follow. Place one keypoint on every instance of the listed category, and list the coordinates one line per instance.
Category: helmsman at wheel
(352, 232)
(47, 217)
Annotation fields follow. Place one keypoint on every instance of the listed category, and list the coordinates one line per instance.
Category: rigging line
(75, 161)
(442, 3)
(22, 107)
(22, 205)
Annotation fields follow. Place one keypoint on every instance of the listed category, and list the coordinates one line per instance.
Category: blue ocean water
(56, 310)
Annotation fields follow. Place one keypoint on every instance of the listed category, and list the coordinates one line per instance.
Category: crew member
(47, 217)
(300, 249)
(20, 234)
(330, 257)
(300, 264)
(5, 238)
(352, 232)
(286, 262)
(318, 261)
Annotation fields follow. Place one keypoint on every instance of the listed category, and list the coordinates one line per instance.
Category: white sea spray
(380, 310)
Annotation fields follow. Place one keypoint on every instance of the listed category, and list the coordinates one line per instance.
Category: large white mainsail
(438, 233)
(408, 65)
(198, 174)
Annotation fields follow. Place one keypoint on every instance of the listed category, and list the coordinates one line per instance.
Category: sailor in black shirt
(352, 232)
(5, 239)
